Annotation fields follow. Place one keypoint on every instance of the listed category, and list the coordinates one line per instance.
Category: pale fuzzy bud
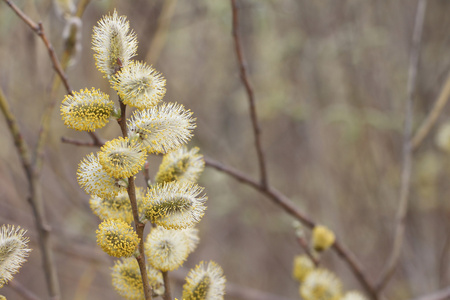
(175, 205)
(114, 43)
(322, 238)
(162, 128)
(13, 251)
(166, 250)
(205, 282)
(127, 280)
(321, 284)
(353, 295)
(181, 165)
(303, 265)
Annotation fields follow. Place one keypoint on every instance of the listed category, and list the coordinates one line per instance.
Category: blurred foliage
(330, 83)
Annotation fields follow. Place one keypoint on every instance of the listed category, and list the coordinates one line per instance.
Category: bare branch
(22, 290)
(439, 295)
(432, 117)
(402, 209)
(283, 201)
(34, 199)
(250, 94)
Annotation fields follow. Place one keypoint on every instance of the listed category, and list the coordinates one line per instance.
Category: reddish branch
(250, 94)
(283, 201)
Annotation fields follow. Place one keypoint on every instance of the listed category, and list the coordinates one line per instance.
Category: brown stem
(167, 293)
(22, 290)
(433, 115)
(304, 244)
(140, 232)
(123, 119)
(402, 208)
(139, 226)
(81, 143)
(250, 94)
(439, 295)
(34, 198)
(283, 201)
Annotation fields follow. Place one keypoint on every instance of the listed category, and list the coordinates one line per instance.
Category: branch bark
(402, 208)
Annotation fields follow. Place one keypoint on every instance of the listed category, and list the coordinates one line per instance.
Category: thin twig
(439, 295)
(167, 294)
(69, 48)
(34, 198)
(139, 226)
(160, 36)
(292, 210)
(22, 290)
(433, 115)
(140, 232)
(80, 143)
(402, 209)
(250, 94)
(39, 30)
(304, 244)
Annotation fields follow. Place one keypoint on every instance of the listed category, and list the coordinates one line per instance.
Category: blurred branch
(39, 30)
(402, 209)
(439, 295)
(281, 200)
(433, 115)
(70, 44)
(250, 94)
(160, 36)
(80, 143)
(22, 290)
(304, 244)
(34, 198)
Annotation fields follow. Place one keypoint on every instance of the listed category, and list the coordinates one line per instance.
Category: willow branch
(402, 208)
(34, 198)
(167, 294)
(22, 290)
(433, 115)
(250, 94)
(39, 30)
(139, 226)
(284, 202)
(160, 36)
(439, 295)
(80, 143)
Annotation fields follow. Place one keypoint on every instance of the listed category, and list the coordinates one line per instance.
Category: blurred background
(330, 84)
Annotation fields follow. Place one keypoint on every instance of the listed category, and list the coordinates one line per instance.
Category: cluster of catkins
(317, 283)
(173, 203)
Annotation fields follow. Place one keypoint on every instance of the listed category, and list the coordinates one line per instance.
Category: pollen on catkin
(353, 295)
(322, 238)
(321, 284)
(127, 280)
(181, 165)
(166, 249)
(122, 158)
(139, 85)
(175, 205)
(94, 179)
(114, 43)
(117, 207)
(13, 251)
(162, 128)
(86, 110)
(205, 282)
(117, 238)
(303, 265)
